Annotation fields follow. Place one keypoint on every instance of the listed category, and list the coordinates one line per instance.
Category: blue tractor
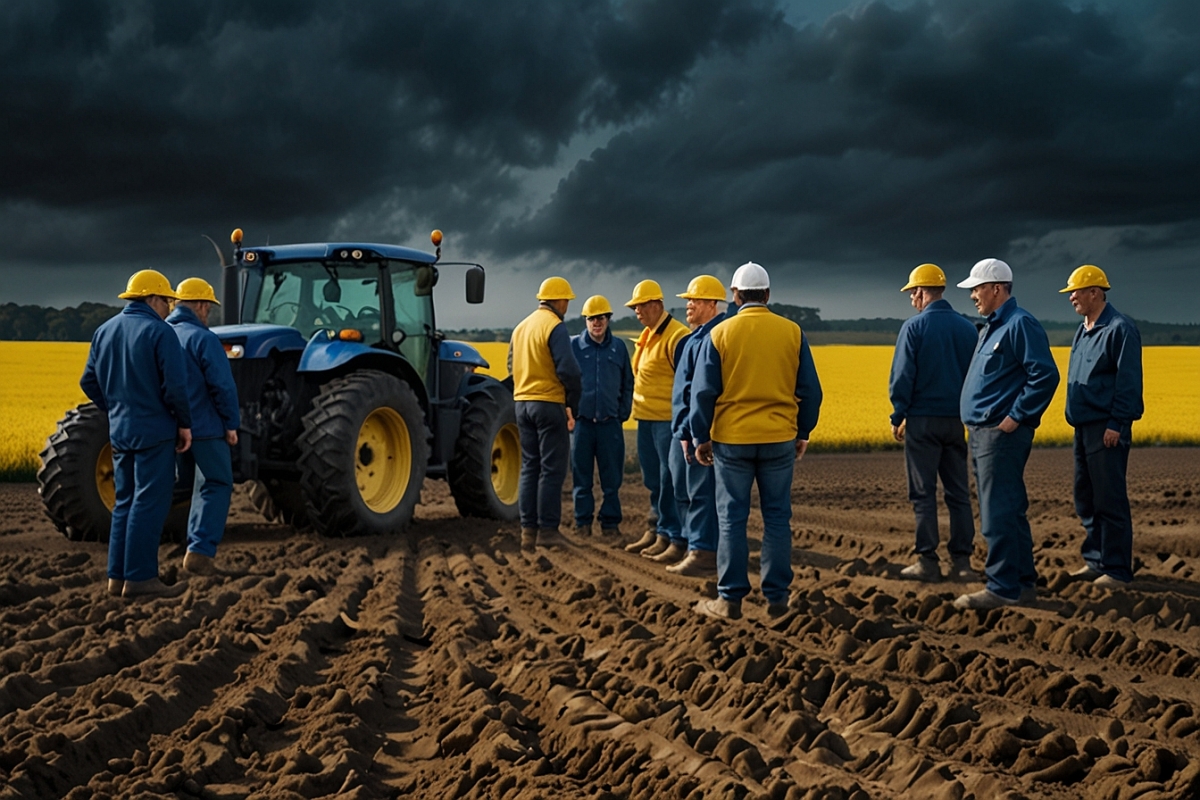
(350, 397)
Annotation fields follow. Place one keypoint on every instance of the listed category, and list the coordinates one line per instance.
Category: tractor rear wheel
(75, 479)
(363, 455)
(280, 501)
(485, 471)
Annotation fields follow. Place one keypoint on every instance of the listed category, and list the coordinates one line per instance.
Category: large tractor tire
(280, 501)
(485, 471)
(363, 455)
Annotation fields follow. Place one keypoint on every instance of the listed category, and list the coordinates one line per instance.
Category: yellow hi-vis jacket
(541, 361)
(654, 369)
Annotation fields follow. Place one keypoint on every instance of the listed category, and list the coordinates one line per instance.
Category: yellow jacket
(542, 363)
(654, 369)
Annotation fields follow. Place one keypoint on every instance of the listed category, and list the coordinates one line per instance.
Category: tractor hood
(258, 340)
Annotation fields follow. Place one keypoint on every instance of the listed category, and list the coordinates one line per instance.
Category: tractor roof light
(236, 237)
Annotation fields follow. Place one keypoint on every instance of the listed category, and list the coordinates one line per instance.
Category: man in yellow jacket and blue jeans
(755, 399)
(546, 389)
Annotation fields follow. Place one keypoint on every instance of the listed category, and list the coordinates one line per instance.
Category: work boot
(985, 599)
(146, 590)
(1109, 582)
(675, 553)
(528, 538)
(613, 531)
(115, 587)
(661, 545)
(199, 564)
(719, 608)
(1086, 573)
(961, 570)
(697, 564)
(1028, 596)
(923, 569)
(583, 529)
(648, 538)
(549, 537)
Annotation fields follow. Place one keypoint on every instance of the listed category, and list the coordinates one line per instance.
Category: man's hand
(231, 438)
(704, 454)
(687, 452)
(570, 420)
(1111, 437)
(898, 430)
(183, 440)
(1008, 425)
(801, 448)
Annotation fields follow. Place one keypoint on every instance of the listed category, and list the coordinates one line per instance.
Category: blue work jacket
(135, 372)
(1012, 373)
(933, 351)
(686, 357)
(212, 394)
(1104, 375)
(607, 377)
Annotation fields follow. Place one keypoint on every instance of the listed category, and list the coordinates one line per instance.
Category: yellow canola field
(41, 380)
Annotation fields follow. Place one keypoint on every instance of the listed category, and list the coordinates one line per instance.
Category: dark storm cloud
(128, 125)
(947, 128)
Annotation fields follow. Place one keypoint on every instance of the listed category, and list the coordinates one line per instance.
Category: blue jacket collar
(941, 304)
(587, 338)
(141, 309)
(712, 323)
(1106, 316)
(184, 314)
(1003, 312)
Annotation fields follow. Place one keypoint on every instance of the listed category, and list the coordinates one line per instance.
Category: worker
(135, 374)
(1009, 383)
(546, 388)
(756, 398)
(695, 485)
(653, 379)
(1104, 398)
(606, 402)
(933, 350)
(213, 399)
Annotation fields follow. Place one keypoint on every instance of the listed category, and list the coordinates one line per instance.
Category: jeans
(601, 444)
(1102, 502)
(144, 482)
(936, 446)
(999, 460)
(696, 497)
(654, 441)
(737, 467)
(545, 450)
(208, 467)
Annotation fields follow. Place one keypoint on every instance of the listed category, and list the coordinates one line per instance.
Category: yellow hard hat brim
(140, 296)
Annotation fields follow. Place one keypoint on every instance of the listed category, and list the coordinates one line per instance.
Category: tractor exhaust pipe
(231, 306)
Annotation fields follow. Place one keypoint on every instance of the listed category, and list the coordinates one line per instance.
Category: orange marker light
(350, 335)
(436, 238)
(236, 236)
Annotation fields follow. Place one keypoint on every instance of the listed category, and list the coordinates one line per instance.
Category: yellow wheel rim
(506, 463)
(105, 483)
(383, 460)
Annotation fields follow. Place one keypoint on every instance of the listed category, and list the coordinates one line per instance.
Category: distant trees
(35, 323)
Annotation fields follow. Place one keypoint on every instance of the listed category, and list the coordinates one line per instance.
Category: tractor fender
(325, 355)
(259, 340)
(461, 353)
(475, 383)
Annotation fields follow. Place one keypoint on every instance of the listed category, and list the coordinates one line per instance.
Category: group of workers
(164, 380)
(730, 399)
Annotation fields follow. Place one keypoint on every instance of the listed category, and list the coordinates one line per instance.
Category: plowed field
(452, 664)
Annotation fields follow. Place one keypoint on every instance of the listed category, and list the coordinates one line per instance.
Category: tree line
(39, 324)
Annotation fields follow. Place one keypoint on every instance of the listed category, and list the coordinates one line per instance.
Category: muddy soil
(449, 663)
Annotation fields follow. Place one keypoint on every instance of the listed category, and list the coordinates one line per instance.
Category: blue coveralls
(695, 484)
(606, 402)
(1104, 392)
(933, 351)
(135, 372)
(1012, 374)
(213, 399)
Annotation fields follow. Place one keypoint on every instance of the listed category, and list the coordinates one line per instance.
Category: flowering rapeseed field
(41, 381)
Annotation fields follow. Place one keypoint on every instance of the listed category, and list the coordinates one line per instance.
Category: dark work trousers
(654, 443)
(937, 446)
(144, 482)
(602, 445)
(999, 460)
(545, 451)
(1102, 501)
(696, 496)
(207, 467)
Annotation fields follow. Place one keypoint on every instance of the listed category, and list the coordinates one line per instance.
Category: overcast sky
(838, 144)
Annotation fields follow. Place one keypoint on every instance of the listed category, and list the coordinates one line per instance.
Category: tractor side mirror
(475, 280)
(427, 278)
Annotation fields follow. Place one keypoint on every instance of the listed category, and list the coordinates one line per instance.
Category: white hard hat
(750, 276)
(990, 270)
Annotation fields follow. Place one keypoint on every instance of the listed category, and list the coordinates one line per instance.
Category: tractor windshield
(310, 295)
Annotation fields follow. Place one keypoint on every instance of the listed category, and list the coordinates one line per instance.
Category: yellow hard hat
(147, 283)
(704, 287)
(644, 292)
(925, 275)
(196, 289)
(1085, 277)
(596, 305)
(555, 289)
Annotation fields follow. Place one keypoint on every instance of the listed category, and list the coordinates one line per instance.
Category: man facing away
(653, 378)
(933, 351)
(212, 397)
(755, 399)
(606, 403)
(1104, 397)
(695, 484)
(546, 389)
(1009, 384)
(135, 374)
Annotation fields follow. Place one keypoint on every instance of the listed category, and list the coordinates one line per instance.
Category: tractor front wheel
(485, 471)
(75, 479)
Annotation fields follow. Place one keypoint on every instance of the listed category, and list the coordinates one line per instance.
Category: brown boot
(697, 564)
(648, 538)
(115, 587)
(549, 537)
(583, 530)
(147, 590)
(672, 555)
(528, 538)
(661, 545)
(719, 608)
(199, 564)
